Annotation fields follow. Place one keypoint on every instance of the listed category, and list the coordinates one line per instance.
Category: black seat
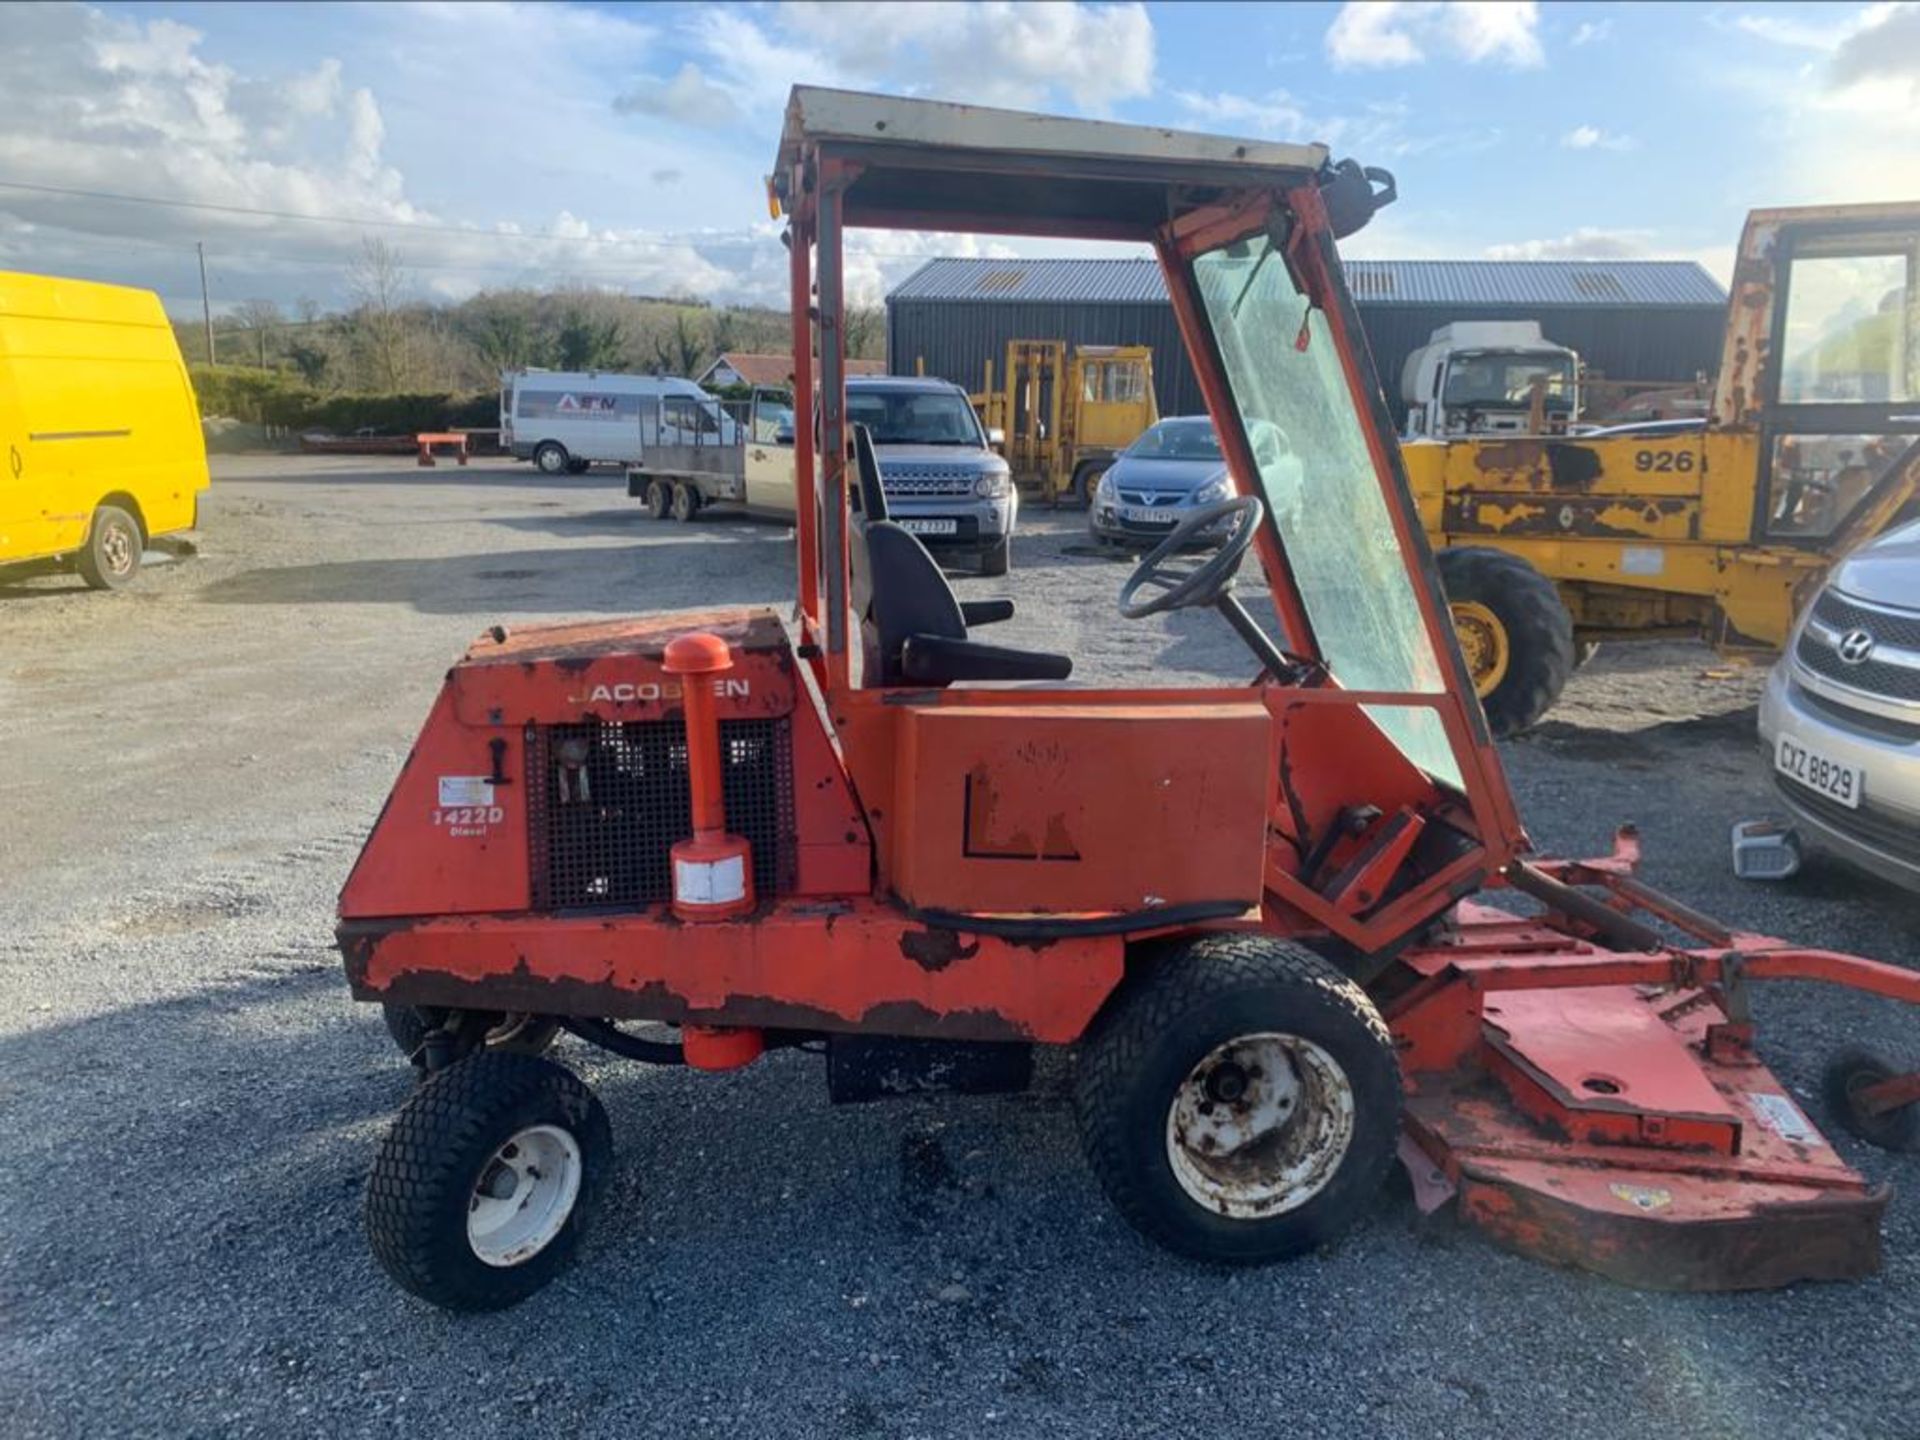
(913, 627)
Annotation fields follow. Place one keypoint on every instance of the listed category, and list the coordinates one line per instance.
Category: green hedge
(265, 397)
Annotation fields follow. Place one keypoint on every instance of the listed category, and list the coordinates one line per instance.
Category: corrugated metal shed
(1085, 282)
(1629, 319)
(1381, 282)
(1610, 284)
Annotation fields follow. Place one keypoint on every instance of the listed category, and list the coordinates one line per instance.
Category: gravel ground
(188, 1101)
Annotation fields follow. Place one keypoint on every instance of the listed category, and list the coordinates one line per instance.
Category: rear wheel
(1514, 631)
(111, 556)
(996, 557)
(1240, 1102)
(480, 1193)
(550, 457)
(686, 502)
(659, 499)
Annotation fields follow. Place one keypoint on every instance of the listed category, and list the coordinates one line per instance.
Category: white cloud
(1383, 34)
(1586, 243)
(1592, 137)
(1885, 48)
(119, 106)
(1591, 32)
(1844, 122)
(1274, 116)
(689, 98)
(993, 53)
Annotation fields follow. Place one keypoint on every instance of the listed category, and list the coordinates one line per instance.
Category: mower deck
(1623, 1129)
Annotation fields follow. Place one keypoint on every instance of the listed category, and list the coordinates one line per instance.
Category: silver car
(943, 481)
(1841, 713)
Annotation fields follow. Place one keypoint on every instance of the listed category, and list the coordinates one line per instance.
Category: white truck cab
(1485, 377)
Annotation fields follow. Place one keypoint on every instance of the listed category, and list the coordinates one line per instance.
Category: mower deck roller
(1247, 906)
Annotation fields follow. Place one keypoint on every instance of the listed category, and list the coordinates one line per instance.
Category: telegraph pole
(206, 305)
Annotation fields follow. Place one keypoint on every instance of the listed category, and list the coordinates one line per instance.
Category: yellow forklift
(1721, 528)
(1062, 417)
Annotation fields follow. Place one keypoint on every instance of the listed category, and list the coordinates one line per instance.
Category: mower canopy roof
(931, 164)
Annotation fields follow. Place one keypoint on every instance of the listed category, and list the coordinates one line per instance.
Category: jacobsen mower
(690, 838)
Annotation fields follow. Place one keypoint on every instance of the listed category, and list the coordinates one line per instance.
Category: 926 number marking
(1663, 462)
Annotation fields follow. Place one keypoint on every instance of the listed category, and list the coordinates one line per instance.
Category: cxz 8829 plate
(1827, 777)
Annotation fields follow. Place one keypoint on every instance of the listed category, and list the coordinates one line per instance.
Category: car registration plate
(931, 527)
(1150, 514)
(1819, 774)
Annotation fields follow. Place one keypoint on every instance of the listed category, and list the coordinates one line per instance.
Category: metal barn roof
(1607, 283)
(1100, 282)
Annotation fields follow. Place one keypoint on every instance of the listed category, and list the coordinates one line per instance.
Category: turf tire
(424, 1176)
(1158, 1028)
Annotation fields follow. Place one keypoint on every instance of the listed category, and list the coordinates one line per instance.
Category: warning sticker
(465, 790)
(1782, 1116)
(1642, 560)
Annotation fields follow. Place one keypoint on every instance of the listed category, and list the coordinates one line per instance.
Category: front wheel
(996, 557)
(1514, 632)
(550, 458)
(1239, 1103)
(111, 556)
(481, 1191)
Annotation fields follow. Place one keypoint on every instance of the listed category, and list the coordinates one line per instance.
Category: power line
(683, 240)
(367, 222)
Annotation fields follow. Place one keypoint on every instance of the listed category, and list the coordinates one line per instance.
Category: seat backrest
(898, 591)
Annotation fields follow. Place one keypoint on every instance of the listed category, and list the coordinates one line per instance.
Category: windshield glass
(1283, 369)
(1507, 380)
(1177, 440)
(915, 417)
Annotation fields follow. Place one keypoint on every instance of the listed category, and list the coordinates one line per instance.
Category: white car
(1841, 713)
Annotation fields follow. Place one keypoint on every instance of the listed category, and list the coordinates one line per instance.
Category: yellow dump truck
(102, 435)
(1720, 528)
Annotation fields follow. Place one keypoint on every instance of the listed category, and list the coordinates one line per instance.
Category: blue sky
(624, 145)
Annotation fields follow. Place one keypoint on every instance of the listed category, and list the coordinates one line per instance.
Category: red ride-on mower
(877, 832)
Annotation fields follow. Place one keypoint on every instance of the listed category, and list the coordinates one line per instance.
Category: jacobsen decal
(645, 692)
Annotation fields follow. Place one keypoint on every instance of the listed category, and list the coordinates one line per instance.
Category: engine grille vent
(608, 801)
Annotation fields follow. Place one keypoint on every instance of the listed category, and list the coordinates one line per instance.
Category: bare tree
(260, 318)
(378, 284)
(864, 331)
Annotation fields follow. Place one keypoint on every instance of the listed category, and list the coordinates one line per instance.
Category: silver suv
(943, 481)
(1841, 713)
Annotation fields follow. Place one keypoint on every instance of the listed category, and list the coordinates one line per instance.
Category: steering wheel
(1201, 584)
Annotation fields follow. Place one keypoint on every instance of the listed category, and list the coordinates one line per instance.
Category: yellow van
(102, 435)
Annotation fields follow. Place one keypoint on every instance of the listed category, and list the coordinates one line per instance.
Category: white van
(565, 421)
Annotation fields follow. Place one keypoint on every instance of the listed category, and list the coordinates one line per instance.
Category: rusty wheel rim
(116, 549)
(1483, 641)
(1260, 1126)
(524, 1196)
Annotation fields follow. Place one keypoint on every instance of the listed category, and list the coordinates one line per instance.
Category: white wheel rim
(523, 1196)
(1260, 1125)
